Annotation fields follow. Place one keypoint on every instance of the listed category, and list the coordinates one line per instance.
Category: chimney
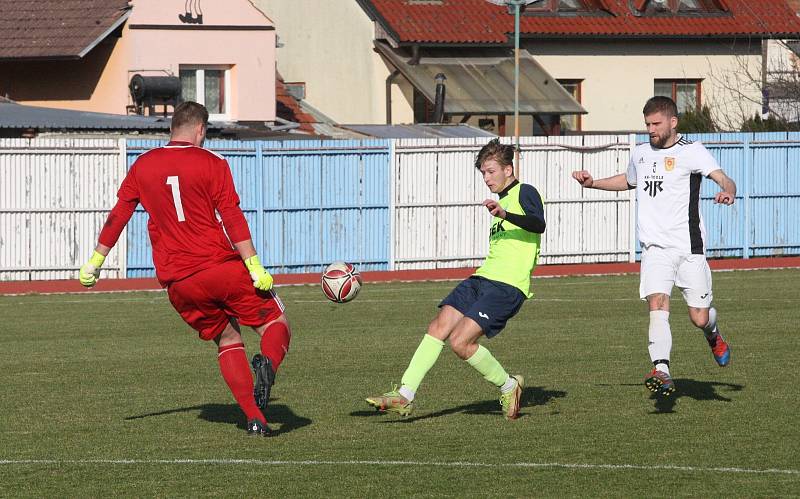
(438, 105)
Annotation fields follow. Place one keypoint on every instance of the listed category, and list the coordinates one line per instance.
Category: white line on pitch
(444, 464)
(90, 301)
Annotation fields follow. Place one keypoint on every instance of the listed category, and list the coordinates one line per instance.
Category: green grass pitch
(112, 395)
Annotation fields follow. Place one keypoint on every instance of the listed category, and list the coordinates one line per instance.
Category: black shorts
(489, 303)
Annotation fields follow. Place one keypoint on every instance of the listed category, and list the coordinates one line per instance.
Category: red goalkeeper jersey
(183, 188)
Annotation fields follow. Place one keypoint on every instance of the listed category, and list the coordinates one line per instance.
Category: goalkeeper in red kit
(215, 281)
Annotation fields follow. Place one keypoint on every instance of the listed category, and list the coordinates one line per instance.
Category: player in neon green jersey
(482, 304)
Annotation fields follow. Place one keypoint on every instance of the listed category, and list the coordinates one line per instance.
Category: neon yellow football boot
(510, 401)
(392, 401)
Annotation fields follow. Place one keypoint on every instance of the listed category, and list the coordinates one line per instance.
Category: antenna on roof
(511, 3)
(515, 7)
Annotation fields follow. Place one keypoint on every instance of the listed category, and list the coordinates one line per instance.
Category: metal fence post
(631, 205)
(392, 208)
(122, 244)
(746, 196)
(260, 200)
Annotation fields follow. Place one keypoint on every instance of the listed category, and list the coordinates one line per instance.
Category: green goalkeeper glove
(261, 278)
(90, 271)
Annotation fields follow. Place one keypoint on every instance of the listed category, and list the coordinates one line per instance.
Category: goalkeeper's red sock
(275, 343)
(236, 371)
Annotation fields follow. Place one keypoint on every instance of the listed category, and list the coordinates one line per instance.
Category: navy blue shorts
(489, 303)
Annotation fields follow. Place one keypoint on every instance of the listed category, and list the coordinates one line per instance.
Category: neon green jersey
(513, 251)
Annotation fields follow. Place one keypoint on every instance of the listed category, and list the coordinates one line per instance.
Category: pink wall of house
(234, 36)
(215, 12)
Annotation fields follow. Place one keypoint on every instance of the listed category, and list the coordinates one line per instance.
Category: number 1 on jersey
(176, 196)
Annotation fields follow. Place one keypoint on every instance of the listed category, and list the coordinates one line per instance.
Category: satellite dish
(512, 5)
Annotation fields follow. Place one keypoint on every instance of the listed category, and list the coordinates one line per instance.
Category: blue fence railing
(763, 221)
(307, 203)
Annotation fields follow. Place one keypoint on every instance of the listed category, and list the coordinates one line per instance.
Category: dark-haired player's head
(661, 119)
(660, 104)
(189, 123)
(496, 163)
(502, 153)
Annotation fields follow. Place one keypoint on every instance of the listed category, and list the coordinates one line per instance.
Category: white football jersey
(667, 183)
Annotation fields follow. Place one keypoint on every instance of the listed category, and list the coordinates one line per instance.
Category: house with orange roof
(375, 61)
(140, 56)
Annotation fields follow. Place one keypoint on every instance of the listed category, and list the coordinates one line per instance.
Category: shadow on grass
(277, 415)
(532, 395)
(697, 390)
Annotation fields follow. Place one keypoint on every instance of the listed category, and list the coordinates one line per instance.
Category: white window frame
(200, 89)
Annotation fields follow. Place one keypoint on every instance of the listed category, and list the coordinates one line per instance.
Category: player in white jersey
(666, 174)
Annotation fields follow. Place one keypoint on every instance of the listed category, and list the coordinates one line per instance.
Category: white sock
(407, 392)
(509, 385)
(711, 328)
(660, 338)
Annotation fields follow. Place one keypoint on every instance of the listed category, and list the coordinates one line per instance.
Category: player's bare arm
(616, 183)
(245, 248)
(727, 195)
(102, 249)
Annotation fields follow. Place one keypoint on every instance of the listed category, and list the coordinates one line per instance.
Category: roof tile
(289, 109)
(478, 21)
(54, 28)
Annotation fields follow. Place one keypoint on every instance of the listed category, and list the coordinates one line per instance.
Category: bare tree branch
(742, 85)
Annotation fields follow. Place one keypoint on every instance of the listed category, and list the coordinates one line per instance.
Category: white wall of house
(781, 58)
(618, 76)
(783, 71)
(329, 46)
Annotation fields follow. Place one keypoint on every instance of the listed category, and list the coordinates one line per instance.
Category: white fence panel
(583, 225)
(54, 197)
(439, 221)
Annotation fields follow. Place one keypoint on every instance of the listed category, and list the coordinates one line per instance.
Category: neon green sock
(484, 363)
(422, 361)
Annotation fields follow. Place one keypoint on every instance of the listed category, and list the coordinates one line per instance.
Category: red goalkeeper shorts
(208, 299)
